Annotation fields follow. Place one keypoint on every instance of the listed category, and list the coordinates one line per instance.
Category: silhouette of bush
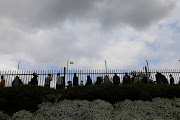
(23, 97)
(13, 99)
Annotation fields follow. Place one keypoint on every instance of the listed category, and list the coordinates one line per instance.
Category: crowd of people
(127, 79)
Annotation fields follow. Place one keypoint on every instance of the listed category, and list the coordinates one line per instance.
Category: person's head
(17, 77)
(115, 74)
(69, 82)
(170, 75)
(134, 74)
(74, 74)
(58, 74)
(2, 77)
(88, 76)
(158, 73)
(49, 74)
(126, 73)
(35, 75)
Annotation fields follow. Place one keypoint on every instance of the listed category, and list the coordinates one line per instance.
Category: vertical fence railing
(26, 76)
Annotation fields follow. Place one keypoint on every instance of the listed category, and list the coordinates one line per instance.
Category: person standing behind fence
(158, 78)
(126, 79)
(89, 81)
(69, 84)
(164, 80)
(171, 79)
(75, 80)
(116, 79)
(135, 79)
(99, 80)
(106, 80)
(2, 81)
(48, 80)
(59, 82)
(34, 80)
(17, 81)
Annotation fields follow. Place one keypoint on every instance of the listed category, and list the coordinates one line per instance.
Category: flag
(71, 62)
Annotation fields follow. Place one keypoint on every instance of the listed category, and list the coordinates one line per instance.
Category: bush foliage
(13, 99)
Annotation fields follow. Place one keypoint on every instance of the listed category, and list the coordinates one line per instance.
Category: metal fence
(26, 76)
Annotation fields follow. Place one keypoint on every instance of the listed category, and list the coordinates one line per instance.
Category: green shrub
(13, 99)
(23, 97)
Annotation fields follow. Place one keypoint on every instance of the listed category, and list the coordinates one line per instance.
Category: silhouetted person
(34, 80)
(59, 82)
(144, 80)
(161, 79)
(106, 80)
(2, 81)
(126, 79)
(75, 80)
(89, 80)
(99, 80)
(171, 79)
(158, 78)
(48, 80)
(164, 80)
(116, 79)
(69, 84)
(17, 81)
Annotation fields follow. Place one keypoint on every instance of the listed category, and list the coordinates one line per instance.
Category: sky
(45, 34)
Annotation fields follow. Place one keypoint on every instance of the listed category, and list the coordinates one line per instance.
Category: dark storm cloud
(108, 13)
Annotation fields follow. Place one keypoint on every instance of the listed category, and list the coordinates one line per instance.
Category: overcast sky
(44, 34)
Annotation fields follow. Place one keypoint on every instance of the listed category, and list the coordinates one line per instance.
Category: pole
(18, 64)
(67, 65)
(105, 66)
(64, 78)
(147, 65)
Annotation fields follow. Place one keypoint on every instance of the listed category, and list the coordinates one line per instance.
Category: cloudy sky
(44, 34)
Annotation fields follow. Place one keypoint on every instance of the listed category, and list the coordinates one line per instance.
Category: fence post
(64, 77)
(146, 74)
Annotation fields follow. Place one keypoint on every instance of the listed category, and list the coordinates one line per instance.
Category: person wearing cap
(48, 80)
(171, 79)
(34, 80)
(2, 81)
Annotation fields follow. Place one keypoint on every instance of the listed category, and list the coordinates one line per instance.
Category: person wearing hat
(171, 79)
(2, 81)
(34, 80)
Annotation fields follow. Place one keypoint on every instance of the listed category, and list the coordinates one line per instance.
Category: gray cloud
(45, 13)
(44, 31)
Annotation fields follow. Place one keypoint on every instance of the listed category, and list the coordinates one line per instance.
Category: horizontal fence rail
(26, 76)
